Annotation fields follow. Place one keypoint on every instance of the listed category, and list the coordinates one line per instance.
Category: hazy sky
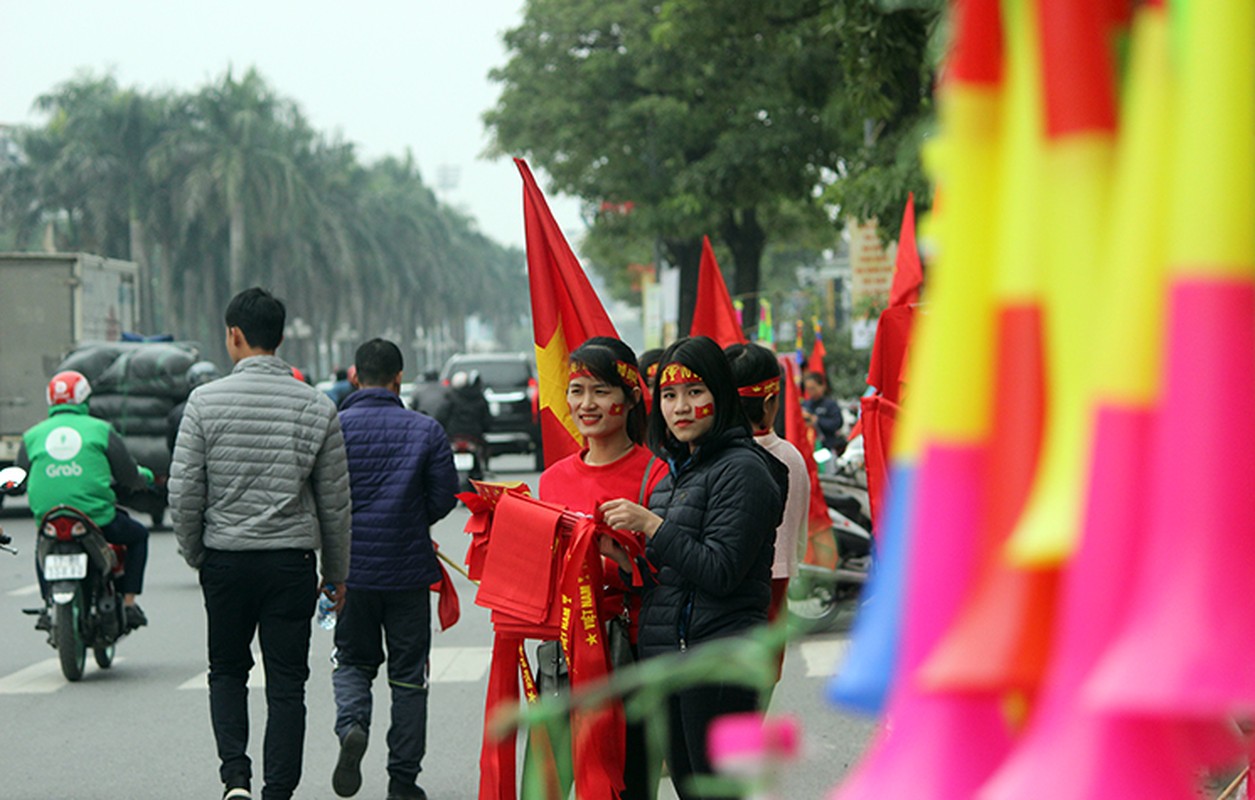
(385, 74)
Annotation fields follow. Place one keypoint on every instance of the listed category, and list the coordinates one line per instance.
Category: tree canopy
(229, 186)
(680, 118)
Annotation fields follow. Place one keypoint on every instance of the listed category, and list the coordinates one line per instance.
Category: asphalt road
(141, 729)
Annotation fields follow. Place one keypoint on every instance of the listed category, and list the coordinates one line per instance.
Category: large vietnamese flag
(565, 312)
(714, 315)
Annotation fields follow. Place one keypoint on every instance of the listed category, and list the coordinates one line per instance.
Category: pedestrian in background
(257, 482)
(822, 413)
(403, 481)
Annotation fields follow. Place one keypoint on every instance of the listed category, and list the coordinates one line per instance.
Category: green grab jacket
(74, 459)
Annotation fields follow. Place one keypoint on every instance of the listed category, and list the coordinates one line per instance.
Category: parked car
(513, 399)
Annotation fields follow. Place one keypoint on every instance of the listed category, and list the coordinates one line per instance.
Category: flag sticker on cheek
(616, 410)
(701, 412)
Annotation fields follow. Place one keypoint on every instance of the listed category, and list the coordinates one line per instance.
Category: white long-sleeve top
(791, 535)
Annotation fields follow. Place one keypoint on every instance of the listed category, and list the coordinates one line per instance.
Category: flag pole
(456, 566)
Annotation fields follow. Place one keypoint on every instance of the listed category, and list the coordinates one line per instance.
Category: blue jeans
(125, 530)
(270, 593)
(402, 621)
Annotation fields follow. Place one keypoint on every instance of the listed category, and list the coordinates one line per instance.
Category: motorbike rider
(74, 459)
(467, 415)
(430, 397)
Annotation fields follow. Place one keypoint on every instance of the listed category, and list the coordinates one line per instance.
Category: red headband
(676, 373)
(626, 371)
(761, 389)
(630, 374)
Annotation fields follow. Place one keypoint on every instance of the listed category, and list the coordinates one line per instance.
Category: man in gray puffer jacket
(258, 483)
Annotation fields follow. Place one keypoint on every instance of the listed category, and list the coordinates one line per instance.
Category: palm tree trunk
(236, 248)
(146, 282)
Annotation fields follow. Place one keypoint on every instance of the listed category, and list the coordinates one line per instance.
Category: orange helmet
(68, 387)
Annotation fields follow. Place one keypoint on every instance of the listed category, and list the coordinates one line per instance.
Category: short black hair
(599, 355)
(378, 362)
(752, 364)
(701, 355)
(260, 316)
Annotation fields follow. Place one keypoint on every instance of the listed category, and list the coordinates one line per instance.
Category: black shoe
(44, 623)
(236, 793)
(404, 790)
(347, 778)
(135, 617)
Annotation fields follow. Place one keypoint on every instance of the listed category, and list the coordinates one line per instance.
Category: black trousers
(691, 713)
(402, 621)
(272, 593)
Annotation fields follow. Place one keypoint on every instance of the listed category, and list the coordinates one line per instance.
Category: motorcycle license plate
(463, 462)
(65, 567)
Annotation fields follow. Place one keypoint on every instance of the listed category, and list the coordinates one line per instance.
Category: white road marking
(42, 677)
(459, 664)
(448, 665)
(822, 656)
(23, 591)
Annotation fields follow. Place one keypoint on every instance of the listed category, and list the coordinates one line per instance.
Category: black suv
(512, 393)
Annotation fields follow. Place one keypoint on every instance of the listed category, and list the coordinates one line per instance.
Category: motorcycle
(818, 597)
(81, 571)
(469, 457)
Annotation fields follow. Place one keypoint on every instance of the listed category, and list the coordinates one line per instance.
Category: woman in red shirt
(604, 395)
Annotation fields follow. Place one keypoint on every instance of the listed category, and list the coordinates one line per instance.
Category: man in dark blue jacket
(402, 479)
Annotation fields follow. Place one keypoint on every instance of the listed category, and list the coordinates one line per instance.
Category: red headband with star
(761, 389)
(627, 372)
(676, 373)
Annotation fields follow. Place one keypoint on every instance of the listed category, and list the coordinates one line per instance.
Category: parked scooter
(819, 596)
(80, 572)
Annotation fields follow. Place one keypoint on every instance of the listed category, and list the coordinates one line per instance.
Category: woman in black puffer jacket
(710, 532)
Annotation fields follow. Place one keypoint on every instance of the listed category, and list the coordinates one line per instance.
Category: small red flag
(821, 545)
(908, 275)
(816, 363)
(565, 312)
(714, 314)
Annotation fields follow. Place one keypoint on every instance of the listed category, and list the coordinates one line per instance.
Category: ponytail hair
(752, 364)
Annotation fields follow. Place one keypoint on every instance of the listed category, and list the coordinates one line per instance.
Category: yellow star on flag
(552, 363)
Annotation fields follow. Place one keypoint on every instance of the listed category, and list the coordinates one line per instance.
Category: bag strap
(649, 467)
(625, 615)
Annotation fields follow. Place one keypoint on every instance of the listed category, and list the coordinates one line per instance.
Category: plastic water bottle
(326, 615)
